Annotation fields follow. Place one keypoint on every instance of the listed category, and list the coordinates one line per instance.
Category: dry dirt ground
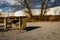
(35, 31)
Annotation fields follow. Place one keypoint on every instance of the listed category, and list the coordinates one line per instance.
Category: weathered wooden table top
(13, 17)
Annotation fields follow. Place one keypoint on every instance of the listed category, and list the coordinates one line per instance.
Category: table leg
(5, 24)
(23, 23)
(20, 24)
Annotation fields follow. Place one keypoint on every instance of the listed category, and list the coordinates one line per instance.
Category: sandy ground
(35, 31)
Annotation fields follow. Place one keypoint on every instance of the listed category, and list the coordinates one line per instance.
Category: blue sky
(12, 2)
(9, 1)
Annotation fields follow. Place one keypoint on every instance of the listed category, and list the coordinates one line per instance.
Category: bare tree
(46, 6)
(26, 4)
(42, 7)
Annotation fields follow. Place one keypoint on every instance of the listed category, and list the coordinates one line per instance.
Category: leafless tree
(46, 6)
(42, 7)
(26, 4)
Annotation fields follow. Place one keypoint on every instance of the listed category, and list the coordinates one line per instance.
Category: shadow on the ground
(1, 30)
(32, 28)
(29, 28)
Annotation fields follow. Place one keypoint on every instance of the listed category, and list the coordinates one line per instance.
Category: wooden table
(22, 21)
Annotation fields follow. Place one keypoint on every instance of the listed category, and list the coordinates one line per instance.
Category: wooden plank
(2, 21)
(5, 24)
(19, 25)
(23, 23)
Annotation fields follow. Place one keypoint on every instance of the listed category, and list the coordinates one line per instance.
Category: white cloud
(11, 2)
(51, 0)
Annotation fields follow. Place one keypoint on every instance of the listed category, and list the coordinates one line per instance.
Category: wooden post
(5, 23)
(19, 24)
(23, 23)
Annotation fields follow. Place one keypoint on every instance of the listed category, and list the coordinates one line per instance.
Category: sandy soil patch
(35, 31)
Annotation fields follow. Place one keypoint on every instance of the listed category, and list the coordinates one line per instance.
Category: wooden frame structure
(22, 21)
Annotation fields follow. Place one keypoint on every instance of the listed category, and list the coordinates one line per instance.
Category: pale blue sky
(12, 2)
(9, 1)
